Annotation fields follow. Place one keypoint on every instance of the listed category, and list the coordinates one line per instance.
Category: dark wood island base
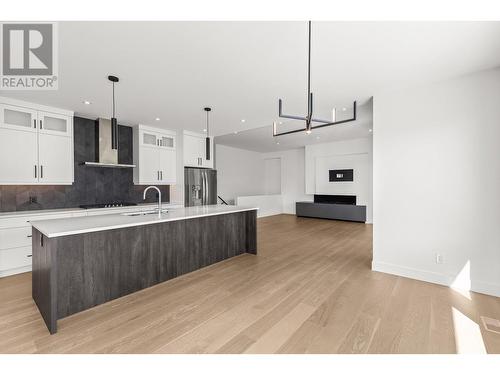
(75, 272)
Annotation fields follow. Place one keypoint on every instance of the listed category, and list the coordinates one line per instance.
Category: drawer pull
(29, 256)
(29, 235)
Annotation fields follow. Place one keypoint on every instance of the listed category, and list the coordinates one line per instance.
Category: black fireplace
(335, 199)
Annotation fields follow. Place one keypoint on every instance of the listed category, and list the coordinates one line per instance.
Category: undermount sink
(144, 213)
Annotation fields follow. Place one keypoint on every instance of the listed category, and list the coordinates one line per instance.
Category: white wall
(351, 154)
(437, 181)
(292, 177)
(267, 205)
(239, 172)
(272, 176)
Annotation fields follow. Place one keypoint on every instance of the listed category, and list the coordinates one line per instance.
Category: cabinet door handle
(41, 171)
(35, 171)
(161, 175)
(29, 256)
(29, 235)
(34, 123)
(41, 124)
(158, 175)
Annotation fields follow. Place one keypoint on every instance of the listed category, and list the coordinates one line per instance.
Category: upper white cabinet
(154, 156)
(195, 150)
(36, 144)
(18, 118)
(54, 124)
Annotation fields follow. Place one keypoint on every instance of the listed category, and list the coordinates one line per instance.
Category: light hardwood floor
(310, 290)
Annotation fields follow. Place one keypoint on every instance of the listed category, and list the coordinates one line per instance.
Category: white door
(167, 166)
(18, 156)
(149, 165)
(55, 124)
(18, 118)
(55, 160)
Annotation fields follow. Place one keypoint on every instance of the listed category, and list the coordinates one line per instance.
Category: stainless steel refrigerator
(200, 186)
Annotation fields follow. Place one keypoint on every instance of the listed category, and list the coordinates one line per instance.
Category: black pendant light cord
(308, 118)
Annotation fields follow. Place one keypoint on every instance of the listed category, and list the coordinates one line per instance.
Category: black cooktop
(108, 205)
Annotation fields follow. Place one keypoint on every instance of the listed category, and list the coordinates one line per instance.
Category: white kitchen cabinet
(168, 168)
(36, 144)
(18, 157)
(55, 166)
(18, 118)
(15, 241)
(148, 166)
(195, 150)
(55, 124)
(154, 156)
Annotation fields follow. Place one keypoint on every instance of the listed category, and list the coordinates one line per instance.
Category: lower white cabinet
(15, 241)
(15, 234)
(15, 237)
(15, 260)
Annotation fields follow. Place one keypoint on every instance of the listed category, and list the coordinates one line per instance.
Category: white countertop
(78, 225)
(144, 206)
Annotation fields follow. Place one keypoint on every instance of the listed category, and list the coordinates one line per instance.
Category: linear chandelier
(309, 117)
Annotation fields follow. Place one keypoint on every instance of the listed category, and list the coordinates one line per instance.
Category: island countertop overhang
(78, 225)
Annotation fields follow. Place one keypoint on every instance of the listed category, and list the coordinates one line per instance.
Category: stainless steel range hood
(107, 157)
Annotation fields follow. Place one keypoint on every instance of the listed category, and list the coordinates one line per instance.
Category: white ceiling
(172, 70)
(262, 140)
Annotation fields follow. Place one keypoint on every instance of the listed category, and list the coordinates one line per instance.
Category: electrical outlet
(33, 199)
(439, 258)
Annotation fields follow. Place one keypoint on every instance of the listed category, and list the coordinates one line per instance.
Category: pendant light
(309, 117)
(114, 122)
(207, 139)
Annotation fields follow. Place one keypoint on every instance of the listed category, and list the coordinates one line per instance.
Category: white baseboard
(433, 277)
(485, 288)
(15, 271)
(268, 213)
(412, 273)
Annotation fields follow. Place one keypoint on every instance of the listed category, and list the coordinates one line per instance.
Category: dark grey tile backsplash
(92, 185)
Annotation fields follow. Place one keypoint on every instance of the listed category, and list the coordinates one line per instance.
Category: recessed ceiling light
(277, 143)
(370, 130)
(281, 122)
(344, 109)
(205, 130)
(157, 119)
(317, 137)
(243, 120)
(86, 102)
(235, 132)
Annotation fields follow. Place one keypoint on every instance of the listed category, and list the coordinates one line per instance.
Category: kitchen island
(83, 262)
